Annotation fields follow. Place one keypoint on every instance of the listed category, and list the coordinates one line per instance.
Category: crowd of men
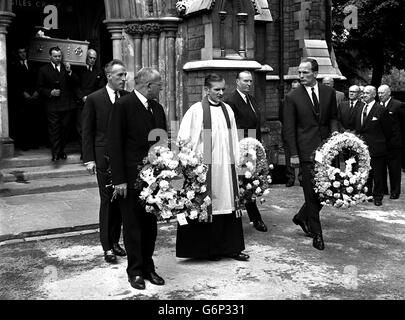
(46, 100)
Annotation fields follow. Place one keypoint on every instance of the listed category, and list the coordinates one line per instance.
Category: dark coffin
(73, 51)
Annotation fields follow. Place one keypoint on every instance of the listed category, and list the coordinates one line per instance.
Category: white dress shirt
(309, 90)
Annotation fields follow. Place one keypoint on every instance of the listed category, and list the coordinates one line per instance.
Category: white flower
(201, 178)
(336, 195)
(248, 175)
(266, 192)
(256, 182)
(248, 186)
(166, 214)
(193, 214)
(258, 190)
(352, 180)
(164, 185)
(250, 166)
(199, 170)
(329, 193)
(203, 189)
(346, 183)
(349, 190)
(190, 195)
(336, 184)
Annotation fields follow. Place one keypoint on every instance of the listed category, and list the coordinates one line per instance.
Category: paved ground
(364, 256)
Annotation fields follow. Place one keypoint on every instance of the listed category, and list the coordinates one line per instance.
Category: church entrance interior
(67, 19)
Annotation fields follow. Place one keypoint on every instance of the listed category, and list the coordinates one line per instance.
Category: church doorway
(68, 19)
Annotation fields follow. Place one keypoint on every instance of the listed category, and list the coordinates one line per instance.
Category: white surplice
(191, 128)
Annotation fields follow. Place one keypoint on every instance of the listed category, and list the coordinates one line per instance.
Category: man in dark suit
(25, 114)
(247, 116)
(346, 109)
(56, 84)
(310, 115)
(395, 143)
(96, 114)
(133, 117)
(373, 124)
(91, 79)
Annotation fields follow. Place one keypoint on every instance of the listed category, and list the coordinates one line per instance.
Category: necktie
(148, 106)
(249, 103)
(116, 96)
(364, 115)
(57, 70)
(351, 105)
(315, 100)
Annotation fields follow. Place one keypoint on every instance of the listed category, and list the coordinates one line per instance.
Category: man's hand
(84, 99)
(68, 68)
(91, 167)
(121, 189)
(295, 161)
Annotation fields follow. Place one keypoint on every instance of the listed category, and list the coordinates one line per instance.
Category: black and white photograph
(202, 158)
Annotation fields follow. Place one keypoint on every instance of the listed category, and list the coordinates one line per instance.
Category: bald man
(328, 81)
(373, 124)
(395, 143)
(346, 109)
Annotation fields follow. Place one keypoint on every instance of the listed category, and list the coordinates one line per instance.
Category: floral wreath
(162, 170)
(254, 171)
(337, 188)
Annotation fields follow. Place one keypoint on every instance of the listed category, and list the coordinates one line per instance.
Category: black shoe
(240, 256)
(260, 226)
(289, 183)
(318, 242)
(118, 250)
(54, 158)
(154, 278)
(137, 282)
(61, 156)
(303, 226)
(110, 256)
(394, 196)
(378, 203)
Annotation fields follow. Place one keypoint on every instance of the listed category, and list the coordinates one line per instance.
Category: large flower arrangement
(254, 171)
(342, 188)
(157, 179)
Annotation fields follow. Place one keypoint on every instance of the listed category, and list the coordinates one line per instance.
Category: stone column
(222, 16)
(6, 143)
(242, 18)
(154, 30)
(116, 28)
(136, 31)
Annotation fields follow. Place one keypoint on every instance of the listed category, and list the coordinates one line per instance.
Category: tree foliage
(379, 41)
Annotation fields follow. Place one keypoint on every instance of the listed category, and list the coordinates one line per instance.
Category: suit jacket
(89, 82)
(303, 130)
(95, 118)
(345, 114)
(49, 79)
(394, 109)
(24, 79)
(376, 129)
(128, 132)
(245, 117)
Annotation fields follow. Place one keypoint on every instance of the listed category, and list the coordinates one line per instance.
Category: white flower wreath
(337, 188)
(254, 171)
(156, 181)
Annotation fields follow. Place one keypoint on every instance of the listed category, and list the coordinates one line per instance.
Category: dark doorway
(77, 20)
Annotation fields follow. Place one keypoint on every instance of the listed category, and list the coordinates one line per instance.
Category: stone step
(9, 189)
(56, 170)
(37, 158)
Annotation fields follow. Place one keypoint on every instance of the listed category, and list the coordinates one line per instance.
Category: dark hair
(314, 64)
(212, 77)
(243, 71)
(108, 66)
(54, 49)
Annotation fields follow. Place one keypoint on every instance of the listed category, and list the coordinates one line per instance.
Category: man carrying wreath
(210, 127)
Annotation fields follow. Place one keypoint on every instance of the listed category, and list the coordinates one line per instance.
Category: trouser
(393, 160)
(253, 212)
(140, 230)
(58, 128)
(309, 212)
(110, 219)
(375, 181)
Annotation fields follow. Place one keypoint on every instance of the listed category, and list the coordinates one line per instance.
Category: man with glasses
(346, 109)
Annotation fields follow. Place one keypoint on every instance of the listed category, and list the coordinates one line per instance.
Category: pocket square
(374, 119)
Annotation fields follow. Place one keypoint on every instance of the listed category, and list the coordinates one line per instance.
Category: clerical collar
(212, 103)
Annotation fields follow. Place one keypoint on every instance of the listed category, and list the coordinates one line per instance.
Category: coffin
(74, 51)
